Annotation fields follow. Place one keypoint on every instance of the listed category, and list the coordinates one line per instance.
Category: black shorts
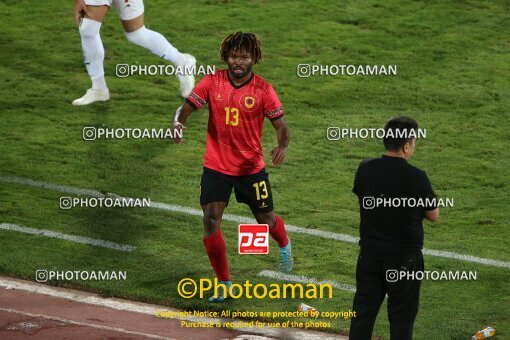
(253, 190)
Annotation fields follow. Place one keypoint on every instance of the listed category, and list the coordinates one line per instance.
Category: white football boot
(93, 95)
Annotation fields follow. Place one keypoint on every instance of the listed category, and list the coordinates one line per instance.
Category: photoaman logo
(188, 288)
(253, 239)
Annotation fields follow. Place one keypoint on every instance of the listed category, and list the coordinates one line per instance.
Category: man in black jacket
(394, 198)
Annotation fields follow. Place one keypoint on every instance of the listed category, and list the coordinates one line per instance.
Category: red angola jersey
(236, 120)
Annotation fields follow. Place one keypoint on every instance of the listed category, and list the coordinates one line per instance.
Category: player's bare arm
(180, 116)
(80, 10)
(283, 138)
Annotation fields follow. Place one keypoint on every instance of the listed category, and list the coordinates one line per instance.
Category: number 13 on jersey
(231, 116)
(261, 190)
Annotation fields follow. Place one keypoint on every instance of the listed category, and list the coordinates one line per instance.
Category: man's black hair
(241, 41)
(397, 126)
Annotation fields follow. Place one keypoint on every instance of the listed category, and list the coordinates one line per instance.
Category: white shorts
(127, 9)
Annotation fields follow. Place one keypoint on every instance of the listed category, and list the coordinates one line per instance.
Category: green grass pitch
(453, 60)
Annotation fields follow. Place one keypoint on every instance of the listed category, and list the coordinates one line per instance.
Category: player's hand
(176, 126)
(278, 155)
(80, 9)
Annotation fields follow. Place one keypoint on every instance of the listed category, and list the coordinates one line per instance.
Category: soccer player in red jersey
(239, 100)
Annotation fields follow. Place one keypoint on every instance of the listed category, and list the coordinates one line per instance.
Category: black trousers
(372, 285)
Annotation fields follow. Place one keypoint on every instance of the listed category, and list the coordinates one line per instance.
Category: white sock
(99, 83)
(157, 44)
(93, 51)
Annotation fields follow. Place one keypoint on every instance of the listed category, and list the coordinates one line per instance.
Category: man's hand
(80, 10)
(278, 155)
(432, 215)
(176, 126)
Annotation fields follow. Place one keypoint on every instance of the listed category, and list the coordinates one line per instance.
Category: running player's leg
(255, 191)
(278, 232)
(93, 51)
(133, 23)
(276, 226)
(214, 197)
(213, 239)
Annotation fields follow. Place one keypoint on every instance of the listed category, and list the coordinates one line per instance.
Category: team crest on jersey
(249, 102)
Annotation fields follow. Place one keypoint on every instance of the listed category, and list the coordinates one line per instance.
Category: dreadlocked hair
(240, 41)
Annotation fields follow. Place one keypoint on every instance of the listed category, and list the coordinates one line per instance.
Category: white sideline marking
(467, 258)
(304, 279)
(241, 219)
(144, 308)
(67, 237)
(116, 329)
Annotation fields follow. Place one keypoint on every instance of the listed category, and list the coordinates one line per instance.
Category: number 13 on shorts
(261, 190)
